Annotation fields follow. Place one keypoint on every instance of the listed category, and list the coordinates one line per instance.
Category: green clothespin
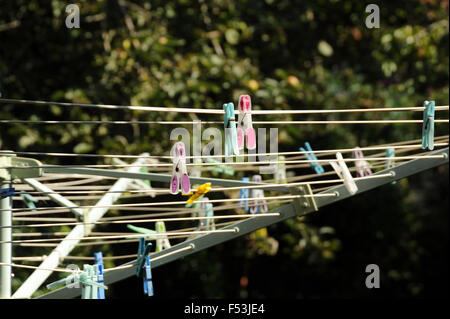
(141, 230)
(280, 174)
(222, 168)
(162, 242)
(29, 200)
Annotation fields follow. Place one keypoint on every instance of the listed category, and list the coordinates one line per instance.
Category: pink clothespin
(259, 205)
(362, 167)
(179, 172)
(245, 127)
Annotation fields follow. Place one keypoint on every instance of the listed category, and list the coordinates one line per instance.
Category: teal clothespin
(29, 200)
(390, 152)
(98, 257)
(222, 168)
(86, 278)
(207, 211)
(148, 233)
(311, 157)
(428, 125)
(244, 194)
(143, 268)
(231, 145)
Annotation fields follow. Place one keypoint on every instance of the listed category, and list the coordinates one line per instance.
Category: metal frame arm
(246, 226)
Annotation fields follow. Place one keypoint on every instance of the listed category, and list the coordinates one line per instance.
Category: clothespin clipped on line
(86, 278)
(310, 156)
(162, 242)
(428, 125)
(198, 192)
(180, 177)
(259, 205)
(143, 267)
(244, 194)
(29, 200)
(280, 173)
(206, 210)
(342, 171)
(362, 167)
(231, 144)
(98, 259)
(390, 152)
(7, 192)
(222, 168)
(244, 125)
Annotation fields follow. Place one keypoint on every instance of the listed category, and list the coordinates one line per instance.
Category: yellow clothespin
(198, 192)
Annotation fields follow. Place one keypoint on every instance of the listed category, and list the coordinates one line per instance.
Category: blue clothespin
(143, 269)
(98, 257)
(231, 144)
(29, 200)
(428, 125)
(244, 193)
(7, 192)
(311, 157)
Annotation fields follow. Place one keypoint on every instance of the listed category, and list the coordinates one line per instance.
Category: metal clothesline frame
(298, 207)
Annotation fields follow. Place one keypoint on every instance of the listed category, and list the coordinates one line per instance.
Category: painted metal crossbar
(244, 227)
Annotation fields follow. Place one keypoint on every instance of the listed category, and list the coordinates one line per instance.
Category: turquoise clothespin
(207, 211)
(29, 200)
(161, 241)
(88, 280)
(390, 152)
(231, 145)
(311, 157)
(428, 125)
(244, 193)
(143, 268)
(98, 257)
(222, 168)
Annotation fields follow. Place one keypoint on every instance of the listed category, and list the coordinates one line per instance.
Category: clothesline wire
(232, 230)
(212, 111)
(309, 122)
(217, 164)
(154, 220)
(123, 241)
(177, 202)
(342, 150)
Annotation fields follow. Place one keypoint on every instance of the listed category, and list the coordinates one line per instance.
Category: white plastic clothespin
(362, 167)
(259, 205)
(179, 172)
(342, 171)
(244, 125)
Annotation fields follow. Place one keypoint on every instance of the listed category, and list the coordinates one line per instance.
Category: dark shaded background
(286, 55)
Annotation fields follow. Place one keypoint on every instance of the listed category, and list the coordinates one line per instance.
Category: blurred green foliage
(286, 54)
